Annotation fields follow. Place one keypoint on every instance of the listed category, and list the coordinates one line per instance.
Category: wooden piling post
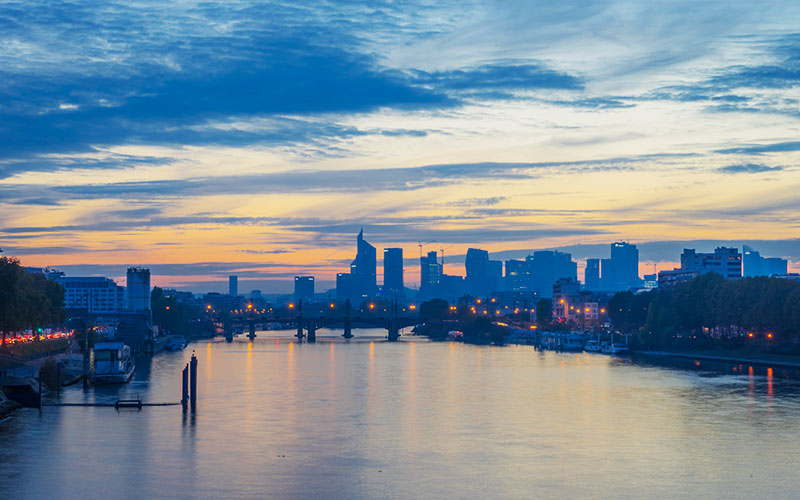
(185, 387)
(193, 381)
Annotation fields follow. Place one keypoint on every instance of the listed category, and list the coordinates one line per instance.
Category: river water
(368, 419)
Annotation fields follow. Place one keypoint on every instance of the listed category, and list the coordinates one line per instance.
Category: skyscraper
(364, 267)
(621, 271)
(303, 287)
(362, 280)
(592, 274)
(393, 269)
(233, 286)
(519, 276)
(477, 265)
(430, 271)
(548, 267)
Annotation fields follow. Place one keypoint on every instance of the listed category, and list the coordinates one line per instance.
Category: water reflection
(371, 419)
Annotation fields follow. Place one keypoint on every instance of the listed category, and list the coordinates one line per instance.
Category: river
(369, 419)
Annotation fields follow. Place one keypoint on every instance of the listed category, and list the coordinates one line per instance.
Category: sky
(203, 139)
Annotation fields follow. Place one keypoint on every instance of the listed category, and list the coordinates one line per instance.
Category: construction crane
(442, 250)
(421, 244)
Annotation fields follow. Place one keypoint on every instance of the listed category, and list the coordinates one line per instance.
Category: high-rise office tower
(592, 275)
(233, 286)
(303, 287)
(393, 269)
(430, 271)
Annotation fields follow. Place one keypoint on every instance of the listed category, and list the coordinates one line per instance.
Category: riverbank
(7, 406)
(745, 358)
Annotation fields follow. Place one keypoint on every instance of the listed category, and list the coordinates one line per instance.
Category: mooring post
(193, 381)
(185, 387)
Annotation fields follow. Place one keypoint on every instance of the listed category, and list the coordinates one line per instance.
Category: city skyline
(255, 142)
(482, 275)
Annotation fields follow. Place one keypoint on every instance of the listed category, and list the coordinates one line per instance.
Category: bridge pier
(348, 325)
(252, 334)
(312, 331)
(394, 329)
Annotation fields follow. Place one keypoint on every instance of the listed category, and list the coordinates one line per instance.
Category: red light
(769, 335)
(750, 334)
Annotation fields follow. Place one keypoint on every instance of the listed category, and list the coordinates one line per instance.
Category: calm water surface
(368, 419)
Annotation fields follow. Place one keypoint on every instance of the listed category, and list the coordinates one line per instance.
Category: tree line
(27, 300)
(757, 310)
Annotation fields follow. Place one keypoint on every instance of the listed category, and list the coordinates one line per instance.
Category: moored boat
(612, 348)
(111, 363)
(176, 344)
(592, 346)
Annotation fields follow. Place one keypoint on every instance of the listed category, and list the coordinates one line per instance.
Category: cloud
(747, 168)
(498, 79)
(755, 149)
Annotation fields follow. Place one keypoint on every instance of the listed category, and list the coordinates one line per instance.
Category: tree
(27, 300)
(434, 309)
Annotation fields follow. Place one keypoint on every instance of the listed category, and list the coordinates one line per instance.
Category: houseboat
(111, 363)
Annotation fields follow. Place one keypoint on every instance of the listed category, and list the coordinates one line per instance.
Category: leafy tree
(434, 309)
(27, 300)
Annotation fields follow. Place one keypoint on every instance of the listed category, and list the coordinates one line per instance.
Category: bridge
(307, 326)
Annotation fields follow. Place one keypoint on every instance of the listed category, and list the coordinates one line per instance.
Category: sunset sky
(203, 139)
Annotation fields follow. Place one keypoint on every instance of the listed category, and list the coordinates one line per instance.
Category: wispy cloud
(748, 168)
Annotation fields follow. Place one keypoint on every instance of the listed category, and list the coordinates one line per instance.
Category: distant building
(566, 297)
(651, 281)
(753, 264)
(95, 294)
(393, 270)
(519, 275)
(361, 282)
(621, 271)
(138, 289)
(670, 278)
(430, 271)
(788, 276)
(303, 287)
(724, 261)
(591, 277)
(233, 286)
(548, 267)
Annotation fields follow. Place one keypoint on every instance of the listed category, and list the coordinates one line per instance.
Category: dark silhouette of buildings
(430, 271)
(393, 270)
(548, 267)
(303, 287)
(591, 277)
(233, 286)
(621, 271)
(483, 275)
(753, 264)
(361, 282)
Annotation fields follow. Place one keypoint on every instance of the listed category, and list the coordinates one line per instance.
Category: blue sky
(204, 132)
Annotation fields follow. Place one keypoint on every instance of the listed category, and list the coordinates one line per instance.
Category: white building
(138, 289)
(96, 294)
